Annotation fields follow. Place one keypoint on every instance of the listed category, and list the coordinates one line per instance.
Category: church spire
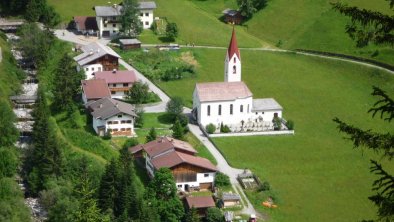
(233, 46)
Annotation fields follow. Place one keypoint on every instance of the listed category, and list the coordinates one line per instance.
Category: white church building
(231, 102)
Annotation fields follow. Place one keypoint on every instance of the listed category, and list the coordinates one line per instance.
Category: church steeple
(232, 63)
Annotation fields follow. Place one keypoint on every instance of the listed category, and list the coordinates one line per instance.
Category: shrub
(210, 128)
(139, 120)
(183, 120)
(224, 128)
(277, 123)
(107, 136)
(222, 180)
(264, 186)
(290, 125)
(130, 143)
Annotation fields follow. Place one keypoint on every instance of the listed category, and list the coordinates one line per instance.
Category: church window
(248, 108)
(220, 110)
(235, 59)
(231, 109)
(234, 69)
(209, 110)
(241, 108)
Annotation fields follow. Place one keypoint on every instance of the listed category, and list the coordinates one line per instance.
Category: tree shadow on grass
(166, 39)
(165, 119)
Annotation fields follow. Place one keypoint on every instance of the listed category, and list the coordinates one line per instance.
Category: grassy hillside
(316, 175)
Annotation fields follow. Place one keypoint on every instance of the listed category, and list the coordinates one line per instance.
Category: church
(231, 102)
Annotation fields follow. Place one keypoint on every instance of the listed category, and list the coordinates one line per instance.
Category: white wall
(99, 122)
(202, 179)
(110, 25)
(225, 116)
(146, 20)
(90, 69)
(229, 75)
(118, 94)
(267, 115)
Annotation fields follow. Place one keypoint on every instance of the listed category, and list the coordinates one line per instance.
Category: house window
(105, 25)
(109, 122)
(92, 68)
(125, 84)
(146, 23)
(115, 122)
(120, 116)
(123, 121)
(206, 174)
(146, 14)
(220, 110)
(241, 108)
(113, 85)
(113, 92)
(257, 113)
(113, 31)
(123, 129)
(231, 109)
(128, 129)
(234, 69)
(141, 14)
(209, 110)
(128, 121)
(180, 185)
(87, 69)
(114, 18)
(114, 25)
(115, 130)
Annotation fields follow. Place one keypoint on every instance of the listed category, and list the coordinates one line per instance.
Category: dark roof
(230, 196)
(174, 158)
(147, 5)
(230, 12)
(233, 47)
(129, 41)
(86, 22)
(265, 105)
(106, 107)
(116, 10)
(95, 88)
(126, 76)
(94, 51)
(163, 144)
(200, 202)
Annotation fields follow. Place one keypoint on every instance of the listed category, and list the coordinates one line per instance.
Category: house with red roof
(118, 81)
(190, 171)
(94, 89)
(231, 102)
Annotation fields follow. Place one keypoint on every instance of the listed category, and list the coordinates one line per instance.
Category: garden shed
(230, 199)
(127, 44)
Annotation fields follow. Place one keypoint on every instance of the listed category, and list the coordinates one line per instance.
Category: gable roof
(222, 91)
(162, 145)
(129, 41)
(265, 104)
(86, 22)
(124, 76)
(106, 107)
(95, 88)
(174, 158)
(200, 202)
(233, 46)
(94, 51)
(116, 10)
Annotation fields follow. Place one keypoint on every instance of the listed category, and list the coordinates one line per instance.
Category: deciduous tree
(131, 24)
(175, 107)
(171, 30)
(138, 93)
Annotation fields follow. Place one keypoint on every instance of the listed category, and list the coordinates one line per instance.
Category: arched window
(235, 59)
(234, 69)
(209, 110)
(231, 109)
(220, 110)
(241, 108)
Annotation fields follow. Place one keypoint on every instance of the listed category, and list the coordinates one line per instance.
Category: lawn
(316, 175)
(69, 9)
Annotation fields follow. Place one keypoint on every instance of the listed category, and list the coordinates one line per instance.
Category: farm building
(201, 204)
(127, 44)
(232, 16)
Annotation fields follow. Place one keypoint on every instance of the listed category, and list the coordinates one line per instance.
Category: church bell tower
(232, 63)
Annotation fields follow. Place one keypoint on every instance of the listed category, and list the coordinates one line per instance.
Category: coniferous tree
(131, 24)
(34, 10)
(108, 190)
(192, 215)
(152, 135)
(8, 132)
(177, 130)
(368, 25)
(382, 143)
(67, 83)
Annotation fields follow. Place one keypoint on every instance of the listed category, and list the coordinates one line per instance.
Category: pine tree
(8, 132)
(177, 130)
(67, 83)
(151, 135)
(382, 143)
(368, 25)
(108, 189)
(192, 215)
(34, 10)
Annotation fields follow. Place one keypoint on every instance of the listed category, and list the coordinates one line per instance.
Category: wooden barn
(232, 16)
(127, 44)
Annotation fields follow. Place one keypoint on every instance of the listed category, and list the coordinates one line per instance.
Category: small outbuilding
(232, 16)
(201, 204)
(230, 199)
(127, 44)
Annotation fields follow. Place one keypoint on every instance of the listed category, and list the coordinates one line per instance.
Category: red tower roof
(233, 47)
